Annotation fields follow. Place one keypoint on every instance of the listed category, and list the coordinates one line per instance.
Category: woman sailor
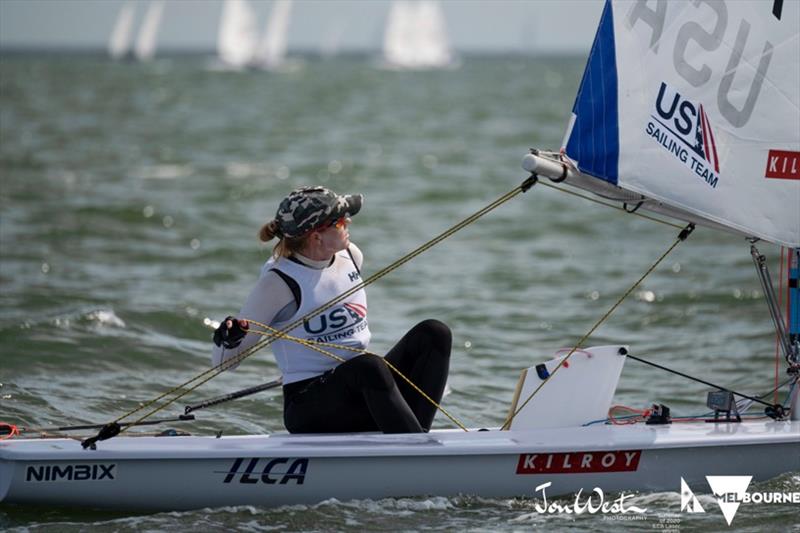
(313, 263)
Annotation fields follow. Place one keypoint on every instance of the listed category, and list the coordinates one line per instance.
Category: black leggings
(363, 394)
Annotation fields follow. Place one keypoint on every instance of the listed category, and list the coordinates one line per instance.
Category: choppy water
(129, 205)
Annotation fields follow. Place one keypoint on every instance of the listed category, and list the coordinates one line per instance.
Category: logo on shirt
(340, 322)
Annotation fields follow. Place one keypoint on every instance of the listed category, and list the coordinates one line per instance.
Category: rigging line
(612, 206)
(212, 372)
(681, 237)
(314, 345)
(687, 376)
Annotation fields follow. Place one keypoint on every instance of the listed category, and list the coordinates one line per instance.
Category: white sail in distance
(145, 47)
(120, 41)
(271, 52)
(693, 108)
(433, 49)
(399, 34)
(237, 37)
(416, 36)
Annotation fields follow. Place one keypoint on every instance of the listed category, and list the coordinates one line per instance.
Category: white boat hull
(174, 473)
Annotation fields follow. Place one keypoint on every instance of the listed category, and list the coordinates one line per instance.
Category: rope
(681, 237)
(314, 345)
(11, 428)
(638, 415)
(205, 376)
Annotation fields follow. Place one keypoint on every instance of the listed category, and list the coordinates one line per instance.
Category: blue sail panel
(594, 139)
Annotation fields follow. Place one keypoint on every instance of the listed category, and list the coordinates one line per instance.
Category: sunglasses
(340, 223)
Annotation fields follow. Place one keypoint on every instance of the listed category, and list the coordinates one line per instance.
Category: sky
(526, 26)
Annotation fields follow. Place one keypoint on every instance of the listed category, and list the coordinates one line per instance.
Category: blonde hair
(286, 246)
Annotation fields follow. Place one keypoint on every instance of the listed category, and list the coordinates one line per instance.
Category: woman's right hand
(230, 332)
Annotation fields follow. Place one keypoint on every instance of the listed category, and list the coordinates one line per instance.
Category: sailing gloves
(230, 332)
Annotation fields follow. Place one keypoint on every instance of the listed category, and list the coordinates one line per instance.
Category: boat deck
(437, 442)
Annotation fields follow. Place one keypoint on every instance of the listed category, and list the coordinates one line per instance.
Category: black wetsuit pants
(363, 394)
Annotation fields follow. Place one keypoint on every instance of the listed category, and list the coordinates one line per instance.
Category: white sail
(433, 50)
(398, 36)
(145, 47)
(120, 41)
(416, 37)
(693, 107)
(271, 52)
(237, 38)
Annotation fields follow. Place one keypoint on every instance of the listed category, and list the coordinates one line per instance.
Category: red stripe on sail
(713, 145)
(703, 126)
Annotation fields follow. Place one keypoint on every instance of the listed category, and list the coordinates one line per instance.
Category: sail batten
(695, 107)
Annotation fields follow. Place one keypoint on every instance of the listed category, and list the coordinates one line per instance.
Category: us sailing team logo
(339, 323)
(682, 128)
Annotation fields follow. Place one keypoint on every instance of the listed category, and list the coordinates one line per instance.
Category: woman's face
(335, 237)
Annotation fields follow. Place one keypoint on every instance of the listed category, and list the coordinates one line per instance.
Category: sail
(272, 50)
(237, 36)
(398, 34)
(120, 41)
(145, 47)
(416, 36)
(433, 49)
(695, 107)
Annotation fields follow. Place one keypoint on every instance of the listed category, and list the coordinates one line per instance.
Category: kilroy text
(579, 462)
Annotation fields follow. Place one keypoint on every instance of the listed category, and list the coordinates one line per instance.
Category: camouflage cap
(309, 208)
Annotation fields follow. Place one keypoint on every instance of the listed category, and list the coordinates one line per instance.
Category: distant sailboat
(238, 44)
(148, 34)
(397, 39)
(271, 53)
(119, 44)
(432, 47)
(237, 37)
(416, 37)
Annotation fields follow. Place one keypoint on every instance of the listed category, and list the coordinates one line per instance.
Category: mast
(793, 304)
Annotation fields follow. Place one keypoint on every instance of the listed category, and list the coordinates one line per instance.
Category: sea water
(131, 196)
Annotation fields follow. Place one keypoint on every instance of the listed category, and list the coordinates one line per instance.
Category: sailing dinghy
(121, 45)
(686, 110)
(415, 37)
(271, 52)
(237, 36)
(119, 42)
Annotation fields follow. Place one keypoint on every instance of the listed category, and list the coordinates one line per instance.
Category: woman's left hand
(230, 332)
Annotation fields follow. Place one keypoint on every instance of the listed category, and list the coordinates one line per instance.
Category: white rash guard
(272, 302)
